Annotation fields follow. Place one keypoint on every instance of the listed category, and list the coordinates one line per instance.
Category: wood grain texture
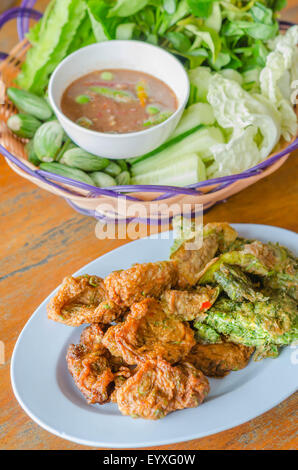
(42, 239)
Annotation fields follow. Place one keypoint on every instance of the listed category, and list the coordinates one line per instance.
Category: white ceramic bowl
(133, 55)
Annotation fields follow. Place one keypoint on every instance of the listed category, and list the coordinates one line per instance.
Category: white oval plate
(46, 392)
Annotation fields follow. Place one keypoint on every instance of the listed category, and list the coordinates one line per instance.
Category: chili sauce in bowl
(119, 98)
(118, 101)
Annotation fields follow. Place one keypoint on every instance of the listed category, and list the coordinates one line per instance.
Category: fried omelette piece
(157, 388)
(246, 261)
(274, 256)
(189, 305)
(273, 322)
(82, 299)
(217, 360)
(93, 368)
(283, 266)
(236, 283)
(141, 280)
(190, 262)
(205, 334)
(148, 333)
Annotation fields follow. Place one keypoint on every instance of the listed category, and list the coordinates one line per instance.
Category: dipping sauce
(118, 101)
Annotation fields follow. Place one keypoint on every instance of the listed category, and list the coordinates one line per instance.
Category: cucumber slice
(199, 142)
(199, 78)
(194, 115)
(182, 171)
(164, 146)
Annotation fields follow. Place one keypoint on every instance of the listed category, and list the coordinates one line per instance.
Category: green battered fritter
(239, 244)
(237, 284)
(259, 324)
(205, 334)
(247, 261)
(283, 266)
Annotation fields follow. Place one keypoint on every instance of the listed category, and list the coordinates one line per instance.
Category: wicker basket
(118, 202)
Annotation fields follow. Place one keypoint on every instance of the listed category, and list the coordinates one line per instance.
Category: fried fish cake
(93, 368)
(149, 332)
(190, 262)
(141, 280)
(157, 388)
(217, 360)
(189, 305)
(82, 300)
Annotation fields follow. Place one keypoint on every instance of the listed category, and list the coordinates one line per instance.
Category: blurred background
(5, 4)
(8, 34)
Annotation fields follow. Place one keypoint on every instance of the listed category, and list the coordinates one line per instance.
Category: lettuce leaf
(276, 77)
(253, 123)
(239, 154)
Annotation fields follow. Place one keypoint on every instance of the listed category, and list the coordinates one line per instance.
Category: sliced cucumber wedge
(199, 143)
(179, 172)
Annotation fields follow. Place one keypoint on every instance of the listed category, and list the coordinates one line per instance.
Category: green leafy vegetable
(53, 42)
(169, 6)
(179, 41)
(125, 31)
(200, 8)
(125, 8)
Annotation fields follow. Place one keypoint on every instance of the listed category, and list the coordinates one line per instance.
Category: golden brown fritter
(226, 235)
(264, 252)
(189, 305)
(93, 368)
(157, 388)
(217, 360)
(141, 280)
(148, 332)
(216, 237)
(92, 336)
(82, 300)
(110, 339)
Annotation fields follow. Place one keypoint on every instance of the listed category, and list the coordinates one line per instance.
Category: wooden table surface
(42, 239)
